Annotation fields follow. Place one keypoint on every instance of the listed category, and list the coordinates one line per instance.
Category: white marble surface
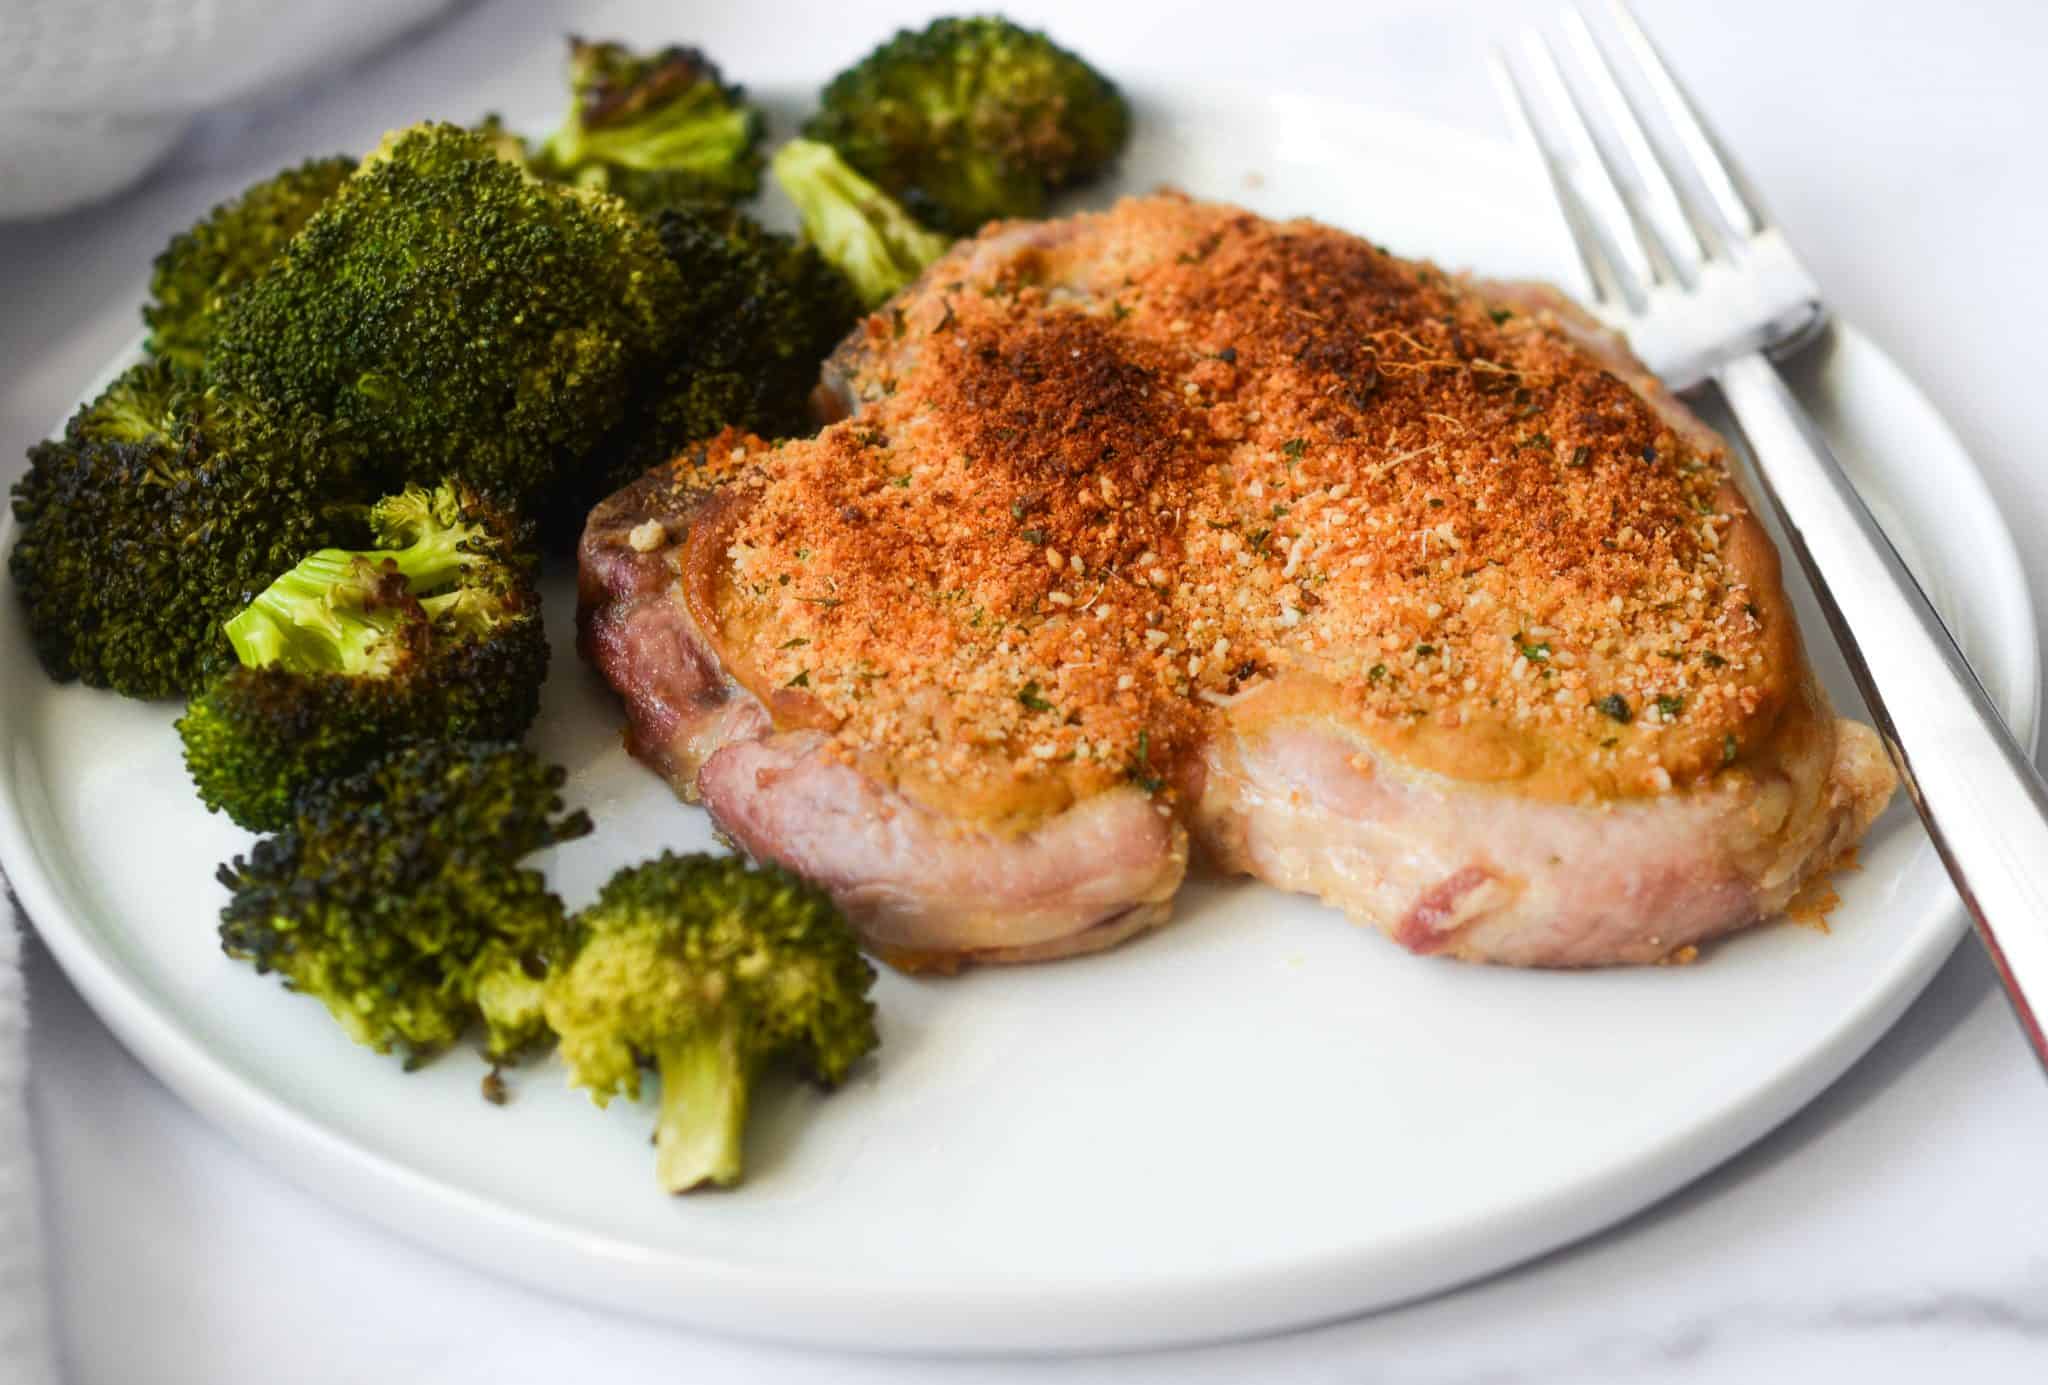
(1897, 1230)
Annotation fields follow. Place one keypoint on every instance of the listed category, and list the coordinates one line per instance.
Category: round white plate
(1260, 1117)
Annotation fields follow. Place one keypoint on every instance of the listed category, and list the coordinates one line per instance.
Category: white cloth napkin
(94, 92)
(24, 1317)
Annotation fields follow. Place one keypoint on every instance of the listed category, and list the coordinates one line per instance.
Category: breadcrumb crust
(1112, 474)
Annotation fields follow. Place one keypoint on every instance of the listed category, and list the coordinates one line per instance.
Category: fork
(1708, 290)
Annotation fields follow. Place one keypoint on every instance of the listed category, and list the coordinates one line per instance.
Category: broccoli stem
(862, 230)
(298, 623)
(704, 1081)
(702, 142)
(295, 623)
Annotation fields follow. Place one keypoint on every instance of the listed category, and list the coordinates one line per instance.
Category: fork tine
(1604, 196)
(1666, 207)
(1715, 169)
(1600, 275)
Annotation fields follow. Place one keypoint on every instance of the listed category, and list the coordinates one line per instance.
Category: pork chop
(1173, 524)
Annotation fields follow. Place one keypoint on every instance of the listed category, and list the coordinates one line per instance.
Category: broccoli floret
(396, 898)
(464, 318)
(160, 513)
(658, 129)
(765, 312)
(150, 402)
(852, 223)
(234, 243)
(762, 302)
(972, 119)
(434, 635)
(504, 142)
(713, 970)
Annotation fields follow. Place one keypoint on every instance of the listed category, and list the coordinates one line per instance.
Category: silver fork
(1707, 289)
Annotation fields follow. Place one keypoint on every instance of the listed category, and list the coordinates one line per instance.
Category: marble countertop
(1896, 1230)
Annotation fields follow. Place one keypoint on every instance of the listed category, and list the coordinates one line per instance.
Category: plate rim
(802, 1304)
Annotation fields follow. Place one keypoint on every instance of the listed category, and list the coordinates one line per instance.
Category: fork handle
(1985, 807)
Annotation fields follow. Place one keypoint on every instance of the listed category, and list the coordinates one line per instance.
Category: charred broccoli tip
(396, 897)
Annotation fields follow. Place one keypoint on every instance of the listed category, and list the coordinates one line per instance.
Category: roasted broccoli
(712, 970)
(397, 900)
(150, 402)
(463, 318)
(161, 512)
(854, 224)
(234, 243)
(972, 119)
(658, 129)
(764, 312)
(504, 141)
(434, 635)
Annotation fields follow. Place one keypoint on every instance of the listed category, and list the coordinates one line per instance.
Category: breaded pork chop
(1173, 524)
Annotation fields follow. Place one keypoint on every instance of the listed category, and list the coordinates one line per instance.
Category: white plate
(1261, 1117)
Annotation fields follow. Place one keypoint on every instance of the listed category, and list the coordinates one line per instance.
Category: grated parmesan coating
(1113, 478)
